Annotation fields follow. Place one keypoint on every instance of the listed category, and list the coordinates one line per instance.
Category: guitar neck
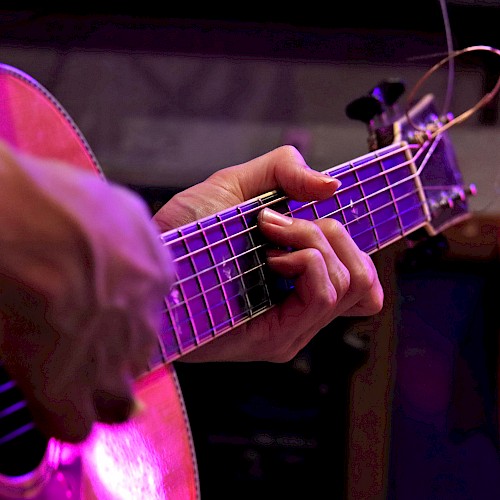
(222, 278)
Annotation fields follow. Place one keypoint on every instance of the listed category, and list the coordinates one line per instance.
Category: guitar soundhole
(22, 445)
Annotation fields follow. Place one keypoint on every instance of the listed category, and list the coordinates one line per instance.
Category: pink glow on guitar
(147, 457)
(117, 461)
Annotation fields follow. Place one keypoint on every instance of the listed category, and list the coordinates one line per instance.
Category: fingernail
(272, 217)
(327, 179)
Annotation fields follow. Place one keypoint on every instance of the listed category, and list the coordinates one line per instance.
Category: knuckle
(377, 303)
(365, 282)
(328, 297)
(344, 280)
(363, 279)
(287, 151)
(332, 227)
(312, 255)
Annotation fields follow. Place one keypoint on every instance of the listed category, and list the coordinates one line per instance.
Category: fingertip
(327, 180)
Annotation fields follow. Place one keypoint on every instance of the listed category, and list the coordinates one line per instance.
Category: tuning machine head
(378, 103)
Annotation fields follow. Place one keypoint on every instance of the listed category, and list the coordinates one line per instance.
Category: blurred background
(164, 98)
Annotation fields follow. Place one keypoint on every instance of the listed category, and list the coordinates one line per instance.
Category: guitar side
(32, 121)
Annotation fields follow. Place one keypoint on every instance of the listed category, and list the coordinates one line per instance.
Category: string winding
(466, 114)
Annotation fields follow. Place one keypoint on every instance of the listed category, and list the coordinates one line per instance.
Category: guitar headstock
(443, 188)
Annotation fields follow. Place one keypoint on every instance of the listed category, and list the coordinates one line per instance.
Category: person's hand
(82, 275)
(332, 275)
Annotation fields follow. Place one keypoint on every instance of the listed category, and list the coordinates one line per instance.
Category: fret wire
(203, 293)
(391, 192)
(315, 210)
(224, 292)
(262, 276)
(307, 204)
(354, 236)
(237, 262)
(263, 304)
(330, 214)
(374, 229)
(328, 172)
(227, 238)
(244, 312)
(341, 210)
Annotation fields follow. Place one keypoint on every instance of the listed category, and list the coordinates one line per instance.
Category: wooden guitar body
(152, 457)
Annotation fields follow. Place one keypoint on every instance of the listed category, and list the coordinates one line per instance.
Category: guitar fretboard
(222, 278)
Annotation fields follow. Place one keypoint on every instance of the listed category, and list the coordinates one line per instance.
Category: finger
(112, 396)
(112, 406)
(281, 169)
(302, 234)
(364, 295)
(314, 293)
(284, 169)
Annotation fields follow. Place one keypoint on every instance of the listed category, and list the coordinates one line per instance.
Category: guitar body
(152, 456)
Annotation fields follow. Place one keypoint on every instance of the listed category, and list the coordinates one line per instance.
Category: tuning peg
(388, 91)
(364, 109)
(380, 98)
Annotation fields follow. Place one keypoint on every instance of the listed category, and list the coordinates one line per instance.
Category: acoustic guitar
(410, 183)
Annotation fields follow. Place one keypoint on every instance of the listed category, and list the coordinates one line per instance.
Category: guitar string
(257, 247)
(245, 312)
(361, 200)
(330, 172)
(256, 268)
(195, 338)
(198, 336)
(366, 214)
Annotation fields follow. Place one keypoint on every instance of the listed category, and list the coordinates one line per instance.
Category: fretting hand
(332, 276)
